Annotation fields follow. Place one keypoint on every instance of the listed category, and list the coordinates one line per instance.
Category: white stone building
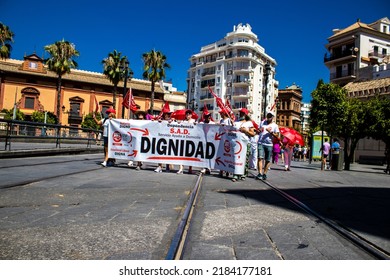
(359, 52)
(237, 69)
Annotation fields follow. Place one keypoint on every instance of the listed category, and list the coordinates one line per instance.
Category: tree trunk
(349, 156)
(347, 160)
(152, 99)
(114, 97)
(59, 98)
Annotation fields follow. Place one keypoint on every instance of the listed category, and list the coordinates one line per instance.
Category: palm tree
(6, 38)
(113, 69)
(60, 62)
(154, 70)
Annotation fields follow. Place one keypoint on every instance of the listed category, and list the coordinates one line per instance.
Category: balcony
(376, 55)
(241, 94)
(207, 73)
(347, 54)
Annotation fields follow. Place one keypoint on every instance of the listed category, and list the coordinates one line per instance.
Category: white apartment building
(237, 69)
(358, 52)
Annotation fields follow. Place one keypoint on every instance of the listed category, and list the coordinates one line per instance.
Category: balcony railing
(343, 54)
(376, 54)
(343, 74)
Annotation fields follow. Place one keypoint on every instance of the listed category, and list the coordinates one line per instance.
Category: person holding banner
(188, 119)
(206, 118)
(245, 126)
(104, 122)
(225, 120)
(166, 117)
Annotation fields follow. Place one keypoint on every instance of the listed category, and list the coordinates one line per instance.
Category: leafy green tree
(378, 110)
(89, 122)
(352, 127)
(328, 106)
(154, 70)
(10, 113)
(38, 116)
(6, 38)
(114, 69)
(60, 62)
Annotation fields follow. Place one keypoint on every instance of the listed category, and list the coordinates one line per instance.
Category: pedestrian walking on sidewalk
(325, 153)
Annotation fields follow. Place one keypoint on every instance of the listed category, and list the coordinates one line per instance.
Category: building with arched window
(28, 84)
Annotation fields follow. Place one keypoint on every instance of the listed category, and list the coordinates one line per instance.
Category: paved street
(69, 207)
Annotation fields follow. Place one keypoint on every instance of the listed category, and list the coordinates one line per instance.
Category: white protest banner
(199, 145)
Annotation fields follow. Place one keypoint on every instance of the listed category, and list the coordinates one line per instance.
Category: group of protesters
(261, 139)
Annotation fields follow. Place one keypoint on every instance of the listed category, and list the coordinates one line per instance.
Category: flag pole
(130, 96)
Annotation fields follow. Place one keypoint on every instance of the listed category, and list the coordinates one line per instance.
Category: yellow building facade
(28, 84)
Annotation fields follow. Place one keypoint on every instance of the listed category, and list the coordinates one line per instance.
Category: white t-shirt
(226, 121)
(105, 127)
(265, 138)
(245, 124)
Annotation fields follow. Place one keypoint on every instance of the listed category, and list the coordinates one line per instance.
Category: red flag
(218, 99)
(129, 99)
(165, 109)
(229, 109)
(96, 105)
(205, 112)
(273, 106)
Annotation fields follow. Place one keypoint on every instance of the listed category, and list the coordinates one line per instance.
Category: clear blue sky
(292, 32)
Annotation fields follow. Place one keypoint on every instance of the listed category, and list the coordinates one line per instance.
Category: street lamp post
(302, 117)
(193, 104)
(128, 73)
(267, 72)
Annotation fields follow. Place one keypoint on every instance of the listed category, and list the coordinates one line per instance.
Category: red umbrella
(181, 114)
(294, 136)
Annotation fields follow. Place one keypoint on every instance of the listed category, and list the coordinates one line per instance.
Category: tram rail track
(350, 235)
(177, 246)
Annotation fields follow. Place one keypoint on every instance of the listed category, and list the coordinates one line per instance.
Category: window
(376, 49)
(29, 102)
(33, 65)
(75, 109)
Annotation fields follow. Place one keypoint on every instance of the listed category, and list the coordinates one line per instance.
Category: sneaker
(138, 168)
(203, 171)
(180, 171)
(158, 170)
(235, 178)
(104, 164)
(259, 176)
(243, 178)
(264, 177)
(130, 163)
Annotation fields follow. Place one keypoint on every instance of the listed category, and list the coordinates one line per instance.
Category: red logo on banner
(116, 136)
